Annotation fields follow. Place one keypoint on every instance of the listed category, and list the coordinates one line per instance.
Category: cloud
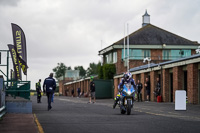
(71, 31)
(9, 2)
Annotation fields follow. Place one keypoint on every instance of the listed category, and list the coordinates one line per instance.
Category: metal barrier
(2, 97)
(18, 88)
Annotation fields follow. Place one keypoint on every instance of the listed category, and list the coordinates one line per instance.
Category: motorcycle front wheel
(128, 107)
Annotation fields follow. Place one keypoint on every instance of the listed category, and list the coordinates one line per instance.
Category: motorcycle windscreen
(130, 87)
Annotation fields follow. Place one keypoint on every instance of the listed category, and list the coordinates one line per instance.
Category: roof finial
(146, 14)
(146, 19)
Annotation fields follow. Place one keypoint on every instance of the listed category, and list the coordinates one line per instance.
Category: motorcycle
(126, 99)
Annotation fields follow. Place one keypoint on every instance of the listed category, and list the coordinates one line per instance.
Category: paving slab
(18, 123)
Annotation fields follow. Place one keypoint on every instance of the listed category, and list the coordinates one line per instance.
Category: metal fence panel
(103, 88)
(18, 88)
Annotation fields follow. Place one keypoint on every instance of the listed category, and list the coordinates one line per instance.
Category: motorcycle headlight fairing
(129, 92)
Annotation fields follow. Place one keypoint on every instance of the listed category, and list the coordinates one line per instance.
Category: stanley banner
(20, 44)
(15, 60)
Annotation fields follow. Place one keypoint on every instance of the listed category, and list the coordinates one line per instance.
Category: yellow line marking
(38, 124)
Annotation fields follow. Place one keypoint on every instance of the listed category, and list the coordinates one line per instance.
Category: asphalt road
(74, 115)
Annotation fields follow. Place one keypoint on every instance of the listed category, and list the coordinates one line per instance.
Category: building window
(106, 58)
(186, 53)
(109, 58)
(114, 57)
(126, 53)
(136, 54)
(166, 54)
(147, 53)
(175, 54)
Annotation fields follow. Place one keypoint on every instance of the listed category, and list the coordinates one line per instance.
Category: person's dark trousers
(49, 96)
(39, 97)
(139, 97)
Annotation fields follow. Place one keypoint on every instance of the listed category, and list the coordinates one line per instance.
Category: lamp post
(198, 50)
(147, 59)
(127, 48)
(163, 46)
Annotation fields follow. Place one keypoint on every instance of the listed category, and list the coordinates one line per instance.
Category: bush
(100, 72)
(107, 71)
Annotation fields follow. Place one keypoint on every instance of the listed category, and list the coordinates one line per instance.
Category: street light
(164, 45)
(198, 50)
(147, 59)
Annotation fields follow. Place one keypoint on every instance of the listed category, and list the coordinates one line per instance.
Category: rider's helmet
(91, 78)
(130, 75)
(127, 76)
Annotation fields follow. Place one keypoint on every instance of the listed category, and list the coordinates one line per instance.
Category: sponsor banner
(20, 44)
(14, 56)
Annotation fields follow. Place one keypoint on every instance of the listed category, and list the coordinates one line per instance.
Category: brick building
(180, 74)
(70, 76)
(173, 60)
(149, 41)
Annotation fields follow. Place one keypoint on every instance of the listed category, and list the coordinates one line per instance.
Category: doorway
(199, 87)
(171, 88)
(185, 82)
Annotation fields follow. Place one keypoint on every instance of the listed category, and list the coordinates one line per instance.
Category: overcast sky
(70, 31)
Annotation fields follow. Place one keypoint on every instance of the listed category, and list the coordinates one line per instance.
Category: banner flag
(15, 60)
(20, 44)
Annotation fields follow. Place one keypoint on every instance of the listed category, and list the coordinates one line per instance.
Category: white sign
(180, 100)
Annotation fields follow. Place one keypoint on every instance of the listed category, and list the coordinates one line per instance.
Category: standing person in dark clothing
(92, 90)
(139, 88)
(38, 89)
(147, 85)
(157, 89)
(72, 92)
(78, 91)
(49, 87)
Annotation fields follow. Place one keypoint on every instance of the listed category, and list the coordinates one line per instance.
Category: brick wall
(165, 85)
(143, 78)
(155, 54)
(177, 80)
(115, 86)
(192, 83)
(120, 64)
(193, 52)
(153, 83)
(120, 68)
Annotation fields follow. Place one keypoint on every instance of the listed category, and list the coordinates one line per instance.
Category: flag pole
(127, 49)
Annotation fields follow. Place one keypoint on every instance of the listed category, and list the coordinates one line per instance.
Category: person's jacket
(139, 87)
(132, 81)
(49, 85)
(148, 85)
(38, 87)
(92, 86)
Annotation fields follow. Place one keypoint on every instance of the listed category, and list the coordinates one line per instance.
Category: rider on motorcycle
(127, 78)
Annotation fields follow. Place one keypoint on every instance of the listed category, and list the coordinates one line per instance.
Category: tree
(100, 72)
(81, 69)
(109, 70)
(60, 70)
(93, 68)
